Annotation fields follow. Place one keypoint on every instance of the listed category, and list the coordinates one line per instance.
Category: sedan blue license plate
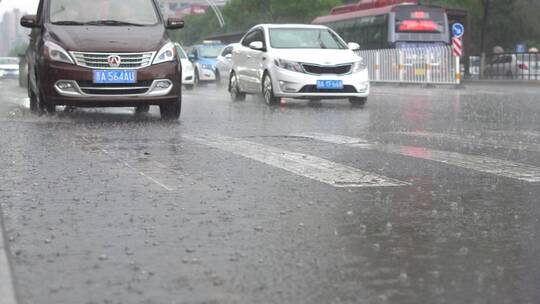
(115, 76)
(330, 84)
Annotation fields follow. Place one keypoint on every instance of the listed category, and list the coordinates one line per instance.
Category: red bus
(380, 24)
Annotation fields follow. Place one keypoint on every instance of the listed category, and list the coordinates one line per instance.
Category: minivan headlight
(359, 66)
(54, 52)
(289, 65)
(166, 54)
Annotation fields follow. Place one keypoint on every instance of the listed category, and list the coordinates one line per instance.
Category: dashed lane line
(125, 163)
(312, 167)
(482, 164)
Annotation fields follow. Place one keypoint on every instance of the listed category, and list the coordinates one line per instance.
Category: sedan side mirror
(354, 46)
(175, 23)
(29, 21)
(257, 45)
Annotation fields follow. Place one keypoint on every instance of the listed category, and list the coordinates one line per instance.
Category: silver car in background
(224, 61)
(514, 66)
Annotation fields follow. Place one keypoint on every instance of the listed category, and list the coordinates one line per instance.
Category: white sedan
(188, 72)
(297, 61)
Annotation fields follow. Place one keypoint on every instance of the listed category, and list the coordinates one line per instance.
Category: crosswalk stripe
(483, 164)
(322, 170)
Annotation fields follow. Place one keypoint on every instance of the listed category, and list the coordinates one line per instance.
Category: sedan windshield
(103, 12)
(211, 51)
(305, 38)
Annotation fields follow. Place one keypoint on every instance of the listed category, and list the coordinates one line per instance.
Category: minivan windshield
(103, 12)
(305, 38)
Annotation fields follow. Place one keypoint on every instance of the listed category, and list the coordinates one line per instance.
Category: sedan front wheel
(268, 92)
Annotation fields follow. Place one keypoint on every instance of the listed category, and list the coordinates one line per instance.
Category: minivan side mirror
(257, 45)
(354, 46)
(228, 56)
(29, 21)
(175, 23)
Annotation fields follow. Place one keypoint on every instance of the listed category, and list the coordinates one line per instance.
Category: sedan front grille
(320, 70)
(313, 89)
(101, 60)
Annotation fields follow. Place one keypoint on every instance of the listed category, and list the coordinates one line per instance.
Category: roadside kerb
(7, 286)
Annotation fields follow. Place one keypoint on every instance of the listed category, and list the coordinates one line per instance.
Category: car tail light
(523, 66)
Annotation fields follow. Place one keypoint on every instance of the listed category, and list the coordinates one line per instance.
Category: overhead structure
(217, 11)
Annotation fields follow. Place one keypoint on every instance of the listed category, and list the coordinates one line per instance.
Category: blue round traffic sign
(458, 30)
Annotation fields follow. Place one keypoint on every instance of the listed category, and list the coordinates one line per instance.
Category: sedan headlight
(166, 54)
(54, 52)
(289, 65)
(359, 66)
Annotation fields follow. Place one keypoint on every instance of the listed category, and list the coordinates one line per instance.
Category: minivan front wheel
(268, 91)
(42, 105)
(33, 99)
(234, 89)
(171, 111)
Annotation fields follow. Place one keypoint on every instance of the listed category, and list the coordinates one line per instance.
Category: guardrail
(434, 65)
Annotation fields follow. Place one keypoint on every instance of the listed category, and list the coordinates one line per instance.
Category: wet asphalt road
(423, 196)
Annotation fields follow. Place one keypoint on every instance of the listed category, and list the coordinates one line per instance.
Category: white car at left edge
(188, 72)
(9, 67)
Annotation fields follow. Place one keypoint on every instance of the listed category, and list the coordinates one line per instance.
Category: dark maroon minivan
(103, 53)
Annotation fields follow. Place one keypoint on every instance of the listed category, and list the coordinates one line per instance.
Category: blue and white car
(204, 59)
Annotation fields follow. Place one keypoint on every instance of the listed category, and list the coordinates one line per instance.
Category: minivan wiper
(112, 22)
(68, 22)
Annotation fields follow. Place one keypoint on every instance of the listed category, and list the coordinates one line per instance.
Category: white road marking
(482, 142)
(483, 164)
(125, 163)
(322, 170)
(7, 286)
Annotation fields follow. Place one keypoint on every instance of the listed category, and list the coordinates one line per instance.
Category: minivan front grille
(319, 70)
(101, 60)
(141, 87)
